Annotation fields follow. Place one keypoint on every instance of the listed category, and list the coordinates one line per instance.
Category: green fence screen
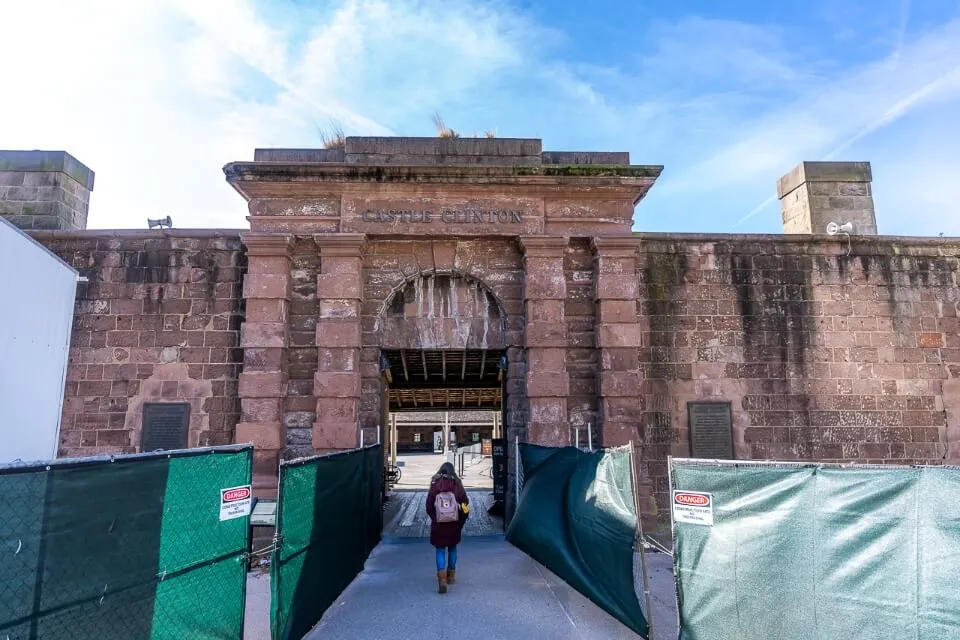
(125, 547)
(816, 551)
(576, 516)
(329, 519)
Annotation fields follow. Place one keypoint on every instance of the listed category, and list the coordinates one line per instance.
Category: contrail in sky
(896, 111)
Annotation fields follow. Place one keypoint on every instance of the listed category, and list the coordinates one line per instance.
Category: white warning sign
(235, 502)
(693, 507)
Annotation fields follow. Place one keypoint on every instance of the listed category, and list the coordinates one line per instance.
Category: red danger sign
(236, 494)
(693, 507)
(235, 502)
(692, 499)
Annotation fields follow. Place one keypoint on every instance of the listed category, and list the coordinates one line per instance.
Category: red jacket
(445, 534)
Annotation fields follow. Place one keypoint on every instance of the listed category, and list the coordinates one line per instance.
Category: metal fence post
(639, 535)
(516, 477)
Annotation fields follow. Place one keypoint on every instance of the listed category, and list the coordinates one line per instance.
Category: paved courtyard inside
(418, 468)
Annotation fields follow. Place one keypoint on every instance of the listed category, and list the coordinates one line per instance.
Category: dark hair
(447, 471)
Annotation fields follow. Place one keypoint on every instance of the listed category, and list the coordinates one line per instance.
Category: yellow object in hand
(465, 507)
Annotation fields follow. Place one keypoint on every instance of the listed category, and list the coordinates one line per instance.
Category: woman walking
(447, 506)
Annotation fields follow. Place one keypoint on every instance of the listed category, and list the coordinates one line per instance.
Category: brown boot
(451, 576)
(442, 581)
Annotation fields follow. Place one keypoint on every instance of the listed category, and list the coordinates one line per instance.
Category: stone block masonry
(157, 321)
(817, 193)
(44, 190)
(824, 349)
(823, 355)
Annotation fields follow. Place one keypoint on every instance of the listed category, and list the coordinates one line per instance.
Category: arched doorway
(443, 349)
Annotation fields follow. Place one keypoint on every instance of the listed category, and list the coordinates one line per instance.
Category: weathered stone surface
(144, 334)
(504, 148)
(47, 190)
(817, 193)
(266, 285)
(821, 354)
(548, 384)
(261, 435)
(337, 384)
(338, 333)
(339, 286)
(261, 384)
(334, 436)
(263, 334)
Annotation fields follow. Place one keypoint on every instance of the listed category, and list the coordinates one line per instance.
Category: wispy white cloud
(902, 29)
(707, 55)
(824, 118)
(161, 93)
(157, 95)
(827, 121)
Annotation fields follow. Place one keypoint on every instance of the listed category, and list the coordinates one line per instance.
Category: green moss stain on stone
(589, 171)
(663, 274)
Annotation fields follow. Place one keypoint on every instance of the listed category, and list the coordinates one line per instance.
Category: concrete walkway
(501, 593)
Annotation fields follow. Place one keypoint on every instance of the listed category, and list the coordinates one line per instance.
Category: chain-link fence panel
(797, 551)
(125, 547)
(329, 519)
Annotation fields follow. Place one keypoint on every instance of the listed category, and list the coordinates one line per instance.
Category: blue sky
(157, 95)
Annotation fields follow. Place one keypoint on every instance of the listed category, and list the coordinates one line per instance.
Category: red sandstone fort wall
(158, 320)
(824, 355)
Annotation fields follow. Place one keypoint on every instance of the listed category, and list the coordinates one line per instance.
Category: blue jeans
(442, 557)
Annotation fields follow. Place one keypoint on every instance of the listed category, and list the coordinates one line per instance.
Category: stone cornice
(282, 179)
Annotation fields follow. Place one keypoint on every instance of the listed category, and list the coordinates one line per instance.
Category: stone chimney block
(817, 193)
(44, 190)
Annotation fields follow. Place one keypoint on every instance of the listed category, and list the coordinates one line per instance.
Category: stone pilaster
(545, 340)
(264, 339)
(619, 338)
(337, 381)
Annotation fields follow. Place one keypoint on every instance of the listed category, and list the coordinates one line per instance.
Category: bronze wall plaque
(711, 430)
(165, 426)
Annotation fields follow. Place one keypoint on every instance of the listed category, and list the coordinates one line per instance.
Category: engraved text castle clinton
(453, 216)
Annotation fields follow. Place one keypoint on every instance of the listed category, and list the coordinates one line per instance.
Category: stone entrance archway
(440, 317)
(442, 334)
(336, 234)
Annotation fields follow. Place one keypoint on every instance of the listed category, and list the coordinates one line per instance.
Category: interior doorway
(443, 406)
(443, 354)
